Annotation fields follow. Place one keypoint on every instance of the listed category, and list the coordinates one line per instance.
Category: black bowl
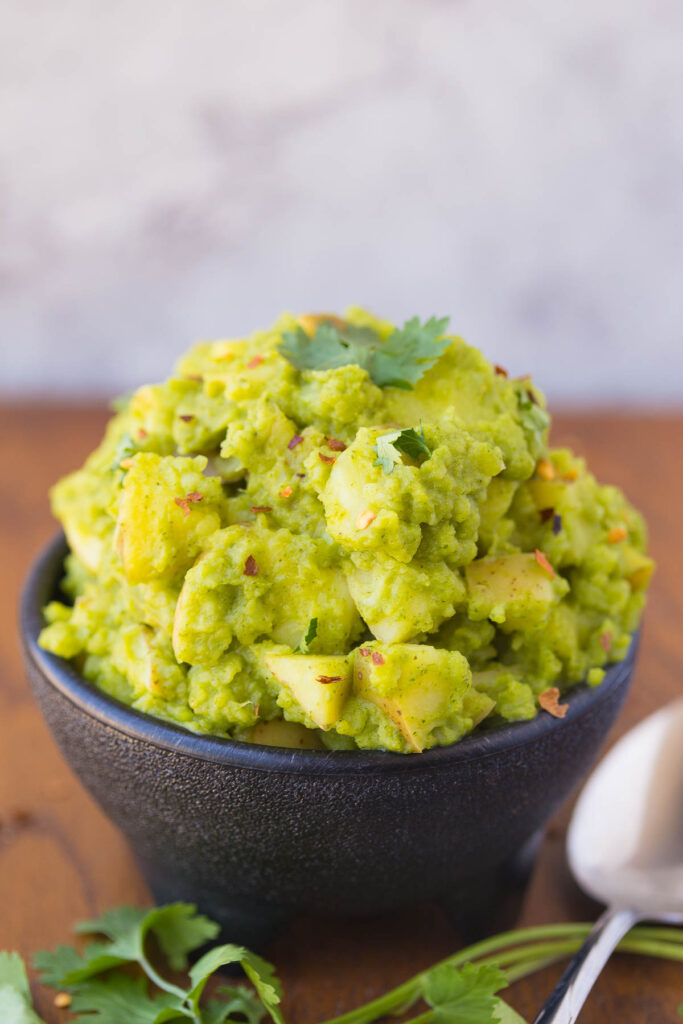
(252, 833)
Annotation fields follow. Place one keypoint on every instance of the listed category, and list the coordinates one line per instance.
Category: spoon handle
(572, 989)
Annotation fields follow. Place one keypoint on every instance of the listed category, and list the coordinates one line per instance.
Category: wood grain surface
(61, 860)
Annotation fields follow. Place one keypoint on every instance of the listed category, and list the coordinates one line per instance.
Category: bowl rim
(39, 588)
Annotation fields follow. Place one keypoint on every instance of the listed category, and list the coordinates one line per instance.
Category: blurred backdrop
(175, 169)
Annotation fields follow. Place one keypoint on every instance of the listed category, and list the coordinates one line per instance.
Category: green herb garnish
(399, 361)
(390, 447)
(304, 645)
(113, 981)
(125, 449)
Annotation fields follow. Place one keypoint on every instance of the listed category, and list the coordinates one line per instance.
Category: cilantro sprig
(390, 447)
(104, 992)
(399, 361)
(113, 980)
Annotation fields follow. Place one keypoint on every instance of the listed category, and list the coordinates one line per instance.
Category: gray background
(172, 169)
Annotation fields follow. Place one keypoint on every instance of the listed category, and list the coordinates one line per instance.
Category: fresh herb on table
(390, 447)
(116, 981)
(399, 361)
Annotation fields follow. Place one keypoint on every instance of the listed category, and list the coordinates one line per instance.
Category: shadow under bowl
(254, 834)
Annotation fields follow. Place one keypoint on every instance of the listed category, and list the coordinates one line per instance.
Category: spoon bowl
(625, 843)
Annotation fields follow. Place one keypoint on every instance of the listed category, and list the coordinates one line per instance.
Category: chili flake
(184, 503)
(500, 370)
(546, 514)
(557, 524)
(286, 492)
(256, 361)
(377, 658)
(545, 469)
(549, 701)
(329, 460)
(335, 444)
(571, 475)
(250, 567)
(297, 439)
(544, 563)
(327, 679)
(364, 519)
(365, 652)
(142, 433)
(260, 508)
(617, 534)
(606, 641)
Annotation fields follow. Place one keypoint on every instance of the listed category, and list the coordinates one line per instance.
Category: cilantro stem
(525, 951)
(168, 986)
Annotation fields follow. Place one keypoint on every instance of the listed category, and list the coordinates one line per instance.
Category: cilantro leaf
(239, 1002)
(466, 995)
(179, 930)
(177, 927)
(126, 448)
(506, 1015)
(260, 973)
(16, 1006)
(389, 447)
(117, 997)
(54, 966)
(304, 645)
(399, 361)
(408, 353)
(13, 972)
(267, 984)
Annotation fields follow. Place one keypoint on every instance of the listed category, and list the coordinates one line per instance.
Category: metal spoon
(625, 848)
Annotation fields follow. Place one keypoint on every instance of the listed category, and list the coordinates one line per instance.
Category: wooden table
(61, 860)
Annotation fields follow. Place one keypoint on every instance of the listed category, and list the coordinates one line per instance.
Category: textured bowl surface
(253, 834)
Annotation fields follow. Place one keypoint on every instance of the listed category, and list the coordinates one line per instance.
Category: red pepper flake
(617, 534)
(250, 567)
(377, 658)
(327, 679)
(550, 702)
(286, 492)
(184, 503)
(365, 518)
(329, 460)
(256, 361)
(546, 514)
(365, 652)
(606, 641)
(500, 370)
(187, 417)
(571, 475)
(545, 470)
(260, 508)
(544, 563)
(335, 444)
(297, 439)
(557, 524)
(142, 433)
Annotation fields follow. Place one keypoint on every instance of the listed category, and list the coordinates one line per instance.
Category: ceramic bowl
(253, 834)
